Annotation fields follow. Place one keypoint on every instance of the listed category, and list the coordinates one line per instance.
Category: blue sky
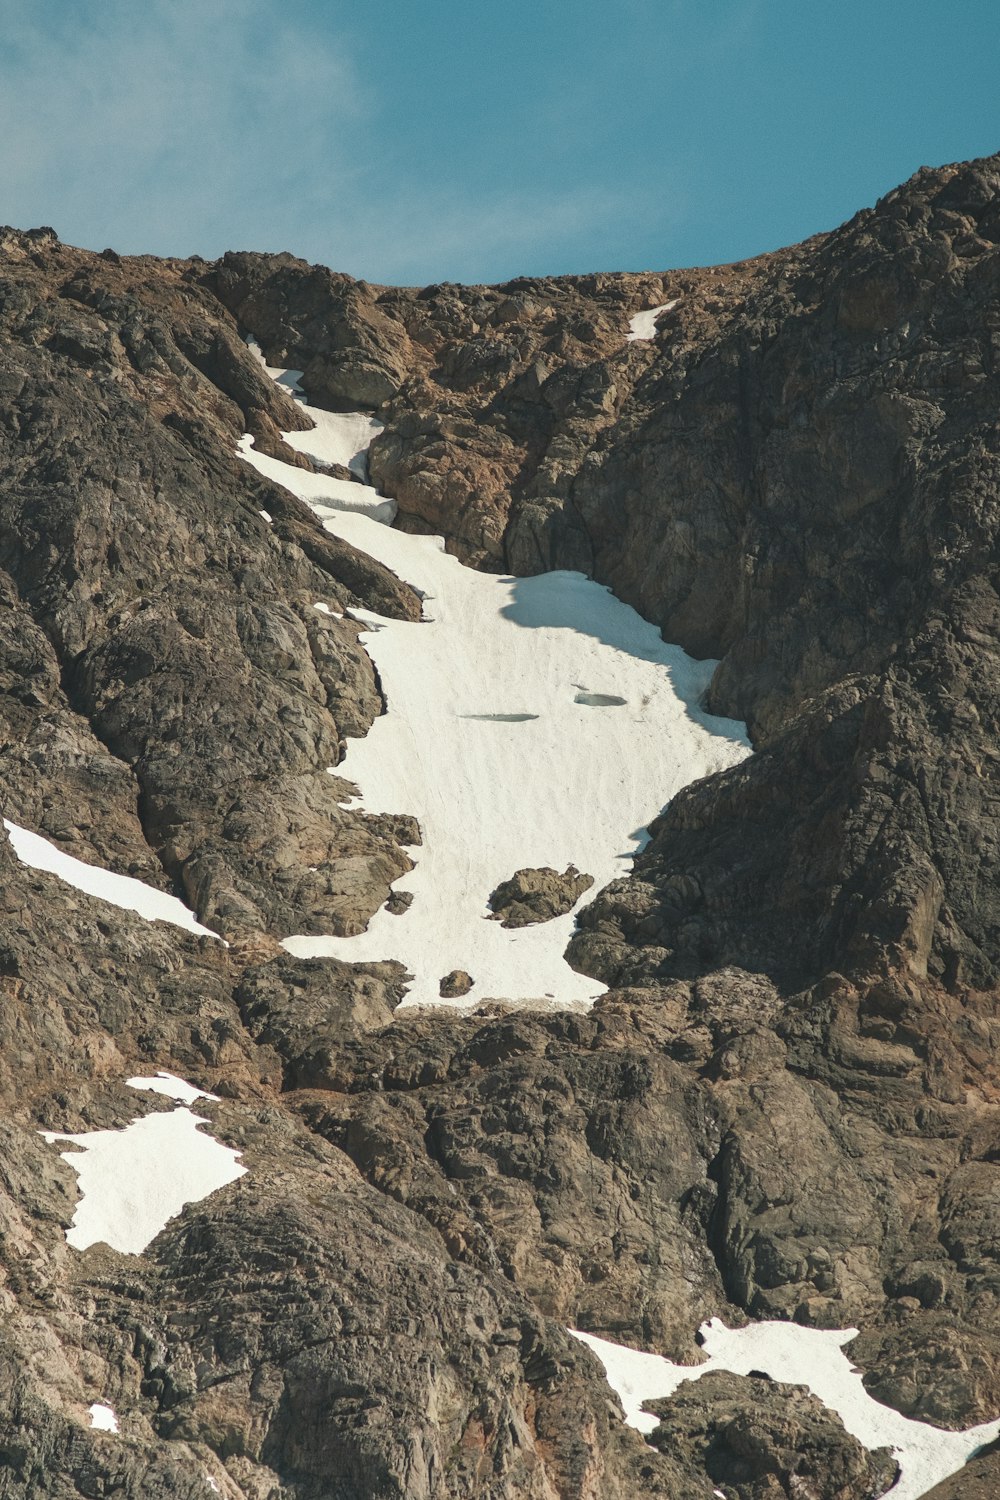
(413, 142)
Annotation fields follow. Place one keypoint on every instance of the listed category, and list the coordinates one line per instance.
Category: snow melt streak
(118, 890)
(799, 1356)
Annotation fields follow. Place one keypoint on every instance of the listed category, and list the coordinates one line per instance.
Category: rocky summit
(782, 1107)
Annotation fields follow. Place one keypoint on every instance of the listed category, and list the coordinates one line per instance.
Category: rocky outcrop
(531, 896)
(764, 1440)
(489, 393)
(794, 475)
(786, 1104)
(173, 697)
(455, 984)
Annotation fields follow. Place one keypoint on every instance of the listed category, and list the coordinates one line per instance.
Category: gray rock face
(531, 896)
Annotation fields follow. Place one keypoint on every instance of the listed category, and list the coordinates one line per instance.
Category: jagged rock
(763, 1440)
(178, 666)
(531, 896)
(455, 984)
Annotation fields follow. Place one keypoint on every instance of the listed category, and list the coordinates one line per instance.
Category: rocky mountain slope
(785, 1105)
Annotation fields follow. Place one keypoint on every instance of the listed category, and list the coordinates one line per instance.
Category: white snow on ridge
(337, 437)
(643, 325)
(529, 722)
(171, 1087)
(133, 1181)
(118, 890)
(798, 1356)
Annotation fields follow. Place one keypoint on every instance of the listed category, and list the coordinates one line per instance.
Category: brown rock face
(166, 661)
(786, 1104)
(764, 1440)
(455, 984)
(531, 896)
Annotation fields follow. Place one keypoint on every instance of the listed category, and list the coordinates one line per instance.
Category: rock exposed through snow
(531, 896)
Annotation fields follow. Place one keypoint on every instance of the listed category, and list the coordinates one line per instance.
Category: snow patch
(102, 1418)
(489, 741)
(119, 890)
(337, 437)
(133, 1181)
(811, 1357)
(643, 325)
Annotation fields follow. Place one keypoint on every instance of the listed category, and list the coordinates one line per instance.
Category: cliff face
(785, 1105)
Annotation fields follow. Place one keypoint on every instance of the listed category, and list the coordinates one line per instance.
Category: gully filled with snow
(540, 722)
(529, 722)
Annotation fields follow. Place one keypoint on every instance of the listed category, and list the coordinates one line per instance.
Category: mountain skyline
(420, 145)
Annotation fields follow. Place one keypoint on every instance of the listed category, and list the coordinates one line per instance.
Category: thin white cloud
(177, 124)
(197, 126)
(403, 236)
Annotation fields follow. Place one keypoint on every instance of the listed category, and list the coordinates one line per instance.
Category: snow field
(133, 1181)
(119, 890)
(529, 722)
(798, 1356)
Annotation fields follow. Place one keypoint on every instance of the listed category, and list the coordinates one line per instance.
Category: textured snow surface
(798, 1356)
(119, 890)
(133, 1181)
(325, 493)
(103, 1418)
(529, 722)
(643, 325)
